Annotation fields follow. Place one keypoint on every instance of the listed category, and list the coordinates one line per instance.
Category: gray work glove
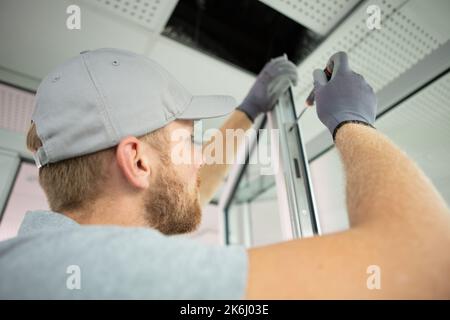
(271, 83)
(345, 98)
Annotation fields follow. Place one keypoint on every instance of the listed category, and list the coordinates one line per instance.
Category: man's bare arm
(399, 223)
(213, 175)
(382, 181)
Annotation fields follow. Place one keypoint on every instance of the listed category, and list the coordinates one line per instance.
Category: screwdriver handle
(328, 72)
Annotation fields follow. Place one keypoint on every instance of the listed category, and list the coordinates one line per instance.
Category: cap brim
(204, 107)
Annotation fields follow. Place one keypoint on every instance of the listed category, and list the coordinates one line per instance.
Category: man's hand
(345, 98)
(271, 83)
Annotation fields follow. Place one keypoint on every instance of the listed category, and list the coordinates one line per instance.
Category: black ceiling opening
(246, 33)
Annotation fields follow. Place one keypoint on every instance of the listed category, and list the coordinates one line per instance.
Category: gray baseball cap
(92, 101)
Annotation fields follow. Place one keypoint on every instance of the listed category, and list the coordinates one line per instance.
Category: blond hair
(76, 183)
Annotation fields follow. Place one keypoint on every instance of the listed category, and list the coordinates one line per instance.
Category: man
(101, 135)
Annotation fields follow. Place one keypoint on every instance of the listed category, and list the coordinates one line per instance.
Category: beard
(170, 205)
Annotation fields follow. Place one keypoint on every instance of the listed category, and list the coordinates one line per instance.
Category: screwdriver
(328, 72)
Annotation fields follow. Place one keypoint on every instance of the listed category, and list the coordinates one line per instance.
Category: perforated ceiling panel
(317, 15)
(151, 14)
(16, 107)
(410, 30)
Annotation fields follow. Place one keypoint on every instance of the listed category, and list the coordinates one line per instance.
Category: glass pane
(253, 214)
(26, 195)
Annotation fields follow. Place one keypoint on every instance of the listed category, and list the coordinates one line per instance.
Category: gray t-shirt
(53, 257)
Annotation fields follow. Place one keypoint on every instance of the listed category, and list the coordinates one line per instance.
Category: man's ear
(133, 161)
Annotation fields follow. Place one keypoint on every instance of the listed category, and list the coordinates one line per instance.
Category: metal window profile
(295, 190)
(297, 208)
